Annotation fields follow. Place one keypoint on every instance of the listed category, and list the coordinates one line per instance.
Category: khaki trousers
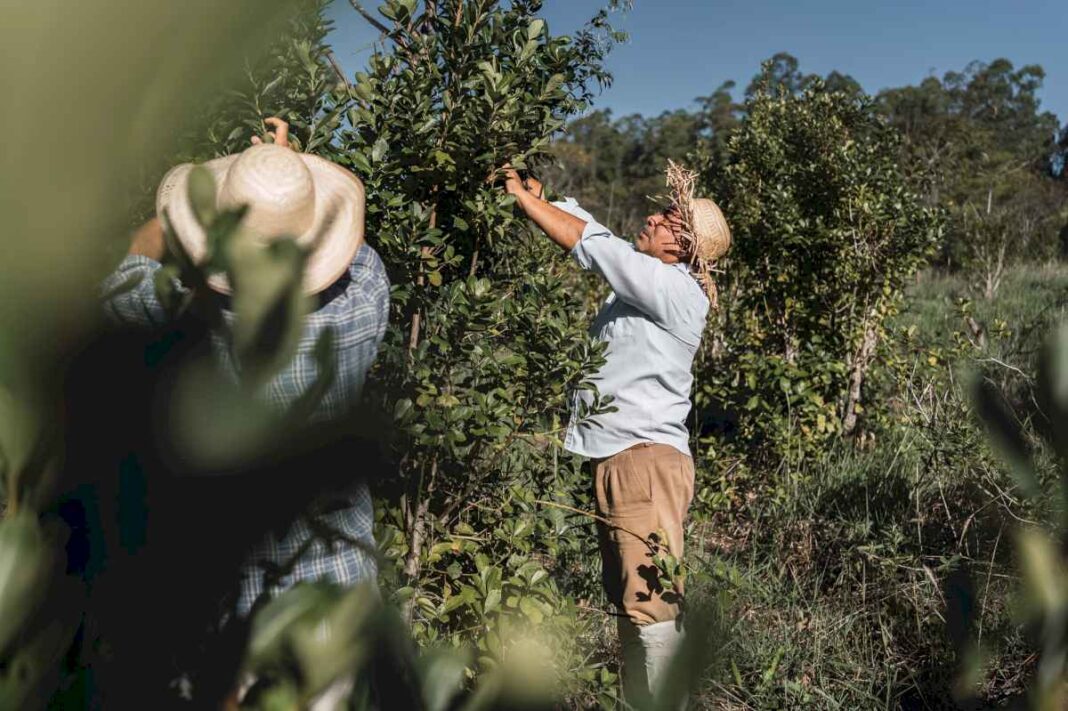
(641, 490)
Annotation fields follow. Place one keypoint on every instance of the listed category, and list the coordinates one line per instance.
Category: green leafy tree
(614, 166)
(719, 115)
(485, 340)
(782, 73)
(977, 142)
(294, 78)
(298, 80)
(826, 234)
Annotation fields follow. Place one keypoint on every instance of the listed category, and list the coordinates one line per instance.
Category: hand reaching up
(280, 134)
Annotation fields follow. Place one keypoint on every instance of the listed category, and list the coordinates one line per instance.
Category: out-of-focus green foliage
(128, 75)
(1041, 558)
(315, 635)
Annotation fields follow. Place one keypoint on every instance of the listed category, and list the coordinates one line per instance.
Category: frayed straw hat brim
(705, 236)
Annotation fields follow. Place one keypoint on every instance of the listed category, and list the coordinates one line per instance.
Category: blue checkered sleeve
(129, 294)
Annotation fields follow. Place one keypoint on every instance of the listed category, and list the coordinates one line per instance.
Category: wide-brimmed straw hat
(706, 236)
(289, 194)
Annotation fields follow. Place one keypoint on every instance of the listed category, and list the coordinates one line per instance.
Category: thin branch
(369, 17)
(650, 545)
(1003, 365)
(337, 68)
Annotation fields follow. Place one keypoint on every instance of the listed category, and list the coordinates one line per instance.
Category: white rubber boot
(647, 654)
(660, 642)
(635, 681)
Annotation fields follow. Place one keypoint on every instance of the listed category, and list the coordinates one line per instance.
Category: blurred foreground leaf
(442, 673)
(269, 305)
(1007, 436)
(215, 423)
(29, 557)
(128, 72)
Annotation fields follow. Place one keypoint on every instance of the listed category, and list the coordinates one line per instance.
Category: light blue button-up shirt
(652, 322)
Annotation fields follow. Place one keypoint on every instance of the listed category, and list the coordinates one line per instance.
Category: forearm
(148, 241)
(563, 228)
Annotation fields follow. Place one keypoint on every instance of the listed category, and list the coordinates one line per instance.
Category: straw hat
(705, 236)
(710, 230)
(289, 194)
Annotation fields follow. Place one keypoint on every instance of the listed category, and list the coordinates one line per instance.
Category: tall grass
(837, 567)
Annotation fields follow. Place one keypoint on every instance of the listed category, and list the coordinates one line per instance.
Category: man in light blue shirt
(643, 472)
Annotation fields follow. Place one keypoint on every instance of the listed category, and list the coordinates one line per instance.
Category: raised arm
(641, 281)
(561, 227)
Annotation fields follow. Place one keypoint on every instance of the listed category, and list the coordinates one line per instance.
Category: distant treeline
(975, 142)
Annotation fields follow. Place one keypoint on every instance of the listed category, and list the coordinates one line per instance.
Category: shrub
(826, 235)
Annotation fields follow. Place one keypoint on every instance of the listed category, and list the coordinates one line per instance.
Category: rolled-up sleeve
(129, 293)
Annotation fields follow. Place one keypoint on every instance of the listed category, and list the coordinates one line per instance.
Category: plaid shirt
(336, 545)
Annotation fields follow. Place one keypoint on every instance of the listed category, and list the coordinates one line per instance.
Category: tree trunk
(417, 515)
(994, 272)
(861, 361)
(416, 536)
(417, 317)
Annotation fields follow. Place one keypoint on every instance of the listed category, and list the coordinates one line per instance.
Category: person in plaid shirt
(287, 191)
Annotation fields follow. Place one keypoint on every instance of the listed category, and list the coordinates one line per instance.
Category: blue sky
(681, 49)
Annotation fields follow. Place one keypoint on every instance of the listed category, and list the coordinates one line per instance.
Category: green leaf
(360, 162)
(1006, 436)
(535, 28)
(201, 186)
(530, 608)
(20, 434)
(492, 602)
(453, 602)
(442, 675)
(402, 408)
(269, 305)
(389, 9)
(1043, 571)
(379, 150)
